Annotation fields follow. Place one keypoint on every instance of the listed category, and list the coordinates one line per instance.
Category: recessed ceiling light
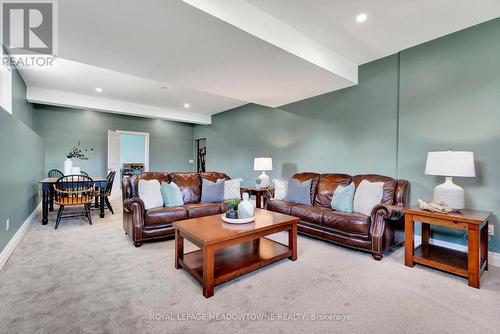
(361, 18)
(187, 105)
(99, 90)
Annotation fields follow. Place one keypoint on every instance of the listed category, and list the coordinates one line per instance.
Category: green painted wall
(450, 98)
(350, 130)
(448, 93)
(170, 143)
(22, 162)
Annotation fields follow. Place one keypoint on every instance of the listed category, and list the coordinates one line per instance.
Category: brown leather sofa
(156, 223)
(376, 233)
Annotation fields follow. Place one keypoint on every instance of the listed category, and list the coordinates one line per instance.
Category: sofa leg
(377, 257)
(137, 243)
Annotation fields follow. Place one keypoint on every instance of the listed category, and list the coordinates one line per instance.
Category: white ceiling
(391, 26)
(121, 89)
(220, 54)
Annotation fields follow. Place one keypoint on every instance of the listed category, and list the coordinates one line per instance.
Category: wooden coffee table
(228, 251)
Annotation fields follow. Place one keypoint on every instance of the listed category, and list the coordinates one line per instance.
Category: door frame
(197, 144)
(146, 145)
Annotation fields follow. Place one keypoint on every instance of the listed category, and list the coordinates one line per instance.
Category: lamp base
(264, 180)
(450, 194)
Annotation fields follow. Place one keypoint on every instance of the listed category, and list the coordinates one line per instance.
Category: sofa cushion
(232, 189)
(367, 196)
(314, 177)
(150, 193)
(347, 222)
(171, 193)
(299, 192)
(134, 180)
(343, 198)
(196, 210)
(224, 207)
(279, 206)
(212, 192)
(309, 213)
(190, 185)
(327, 185)
(280, 189)
(389, 185)
(162, 216)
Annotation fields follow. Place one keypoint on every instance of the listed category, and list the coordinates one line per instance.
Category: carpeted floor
(90, 279)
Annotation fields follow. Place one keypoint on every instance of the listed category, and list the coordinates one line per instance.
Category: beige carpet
(90, 279)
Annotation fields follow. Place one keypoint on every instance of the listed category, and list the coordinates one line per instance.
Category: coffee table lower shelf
(237, 260)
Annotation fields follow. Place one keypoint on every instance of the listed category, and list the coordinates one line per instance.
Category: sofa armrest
(268, 195)
(402, 192)
(386, 211)
(131, 205)
(380, 217)
(133, 219)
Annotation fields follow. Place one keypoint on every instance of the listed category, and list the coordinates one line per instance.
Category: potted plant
(76, 152)
(233, 208)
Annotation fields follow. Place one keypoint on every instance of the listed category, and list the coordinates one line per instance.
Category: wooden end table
(466, 264)
(228, 251)
(259, 195)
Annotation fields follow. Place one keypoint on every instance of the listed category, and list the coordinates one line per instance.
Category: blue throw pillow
(299, 192)
(171, 194)
(212, 191)
(343, 198)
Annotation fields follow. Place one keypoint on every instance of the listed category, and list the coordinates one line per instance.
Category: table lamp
(263, 164)
(449, 164)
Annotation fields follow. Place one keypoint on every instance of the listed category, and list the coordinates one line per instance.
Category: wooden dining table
(48, 195)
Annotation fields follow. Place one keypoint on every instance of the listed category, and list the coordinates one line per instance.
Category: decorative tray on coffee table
(237, 221)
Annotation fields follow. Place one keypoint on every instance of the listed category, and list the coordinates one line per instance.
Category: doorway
(128, 154)
(201, 153)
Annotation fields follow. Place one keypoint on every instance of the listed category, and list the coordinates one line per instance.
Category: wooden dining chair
(74, 190)
(110, 179)
(55, 173)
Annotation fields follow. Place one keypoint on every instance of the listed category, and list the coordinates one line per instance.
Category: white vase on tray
(246, 208)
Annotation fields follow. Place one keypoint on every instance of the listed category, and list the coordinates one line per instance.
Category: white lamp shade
(263, 164)
(450, 163)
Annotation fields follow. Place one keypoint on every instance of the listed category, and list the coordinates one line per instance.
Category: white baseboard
(493, 257)
(9, 248)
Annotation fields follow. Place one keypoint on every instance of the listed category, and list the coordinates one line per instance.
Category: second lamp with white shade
(449, 164)
(263, 164)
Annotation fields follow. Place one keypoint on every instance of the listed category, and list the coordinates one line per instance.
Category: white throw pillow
(368, 194)
(280, 189)
(150, 193)
(232, 189)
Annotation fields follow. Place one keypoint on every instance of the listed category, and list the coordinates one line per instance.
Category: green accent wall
(450, 99)
(22, 162)
(439, 95)
(351, 130)
(170, 143)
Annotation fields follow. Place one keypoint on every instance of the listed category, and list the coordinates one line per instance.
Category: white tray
(237, 221)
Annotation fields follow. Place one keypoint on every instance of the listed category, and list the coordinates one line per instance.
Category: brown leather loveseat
(156, 223)
(376, 233)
